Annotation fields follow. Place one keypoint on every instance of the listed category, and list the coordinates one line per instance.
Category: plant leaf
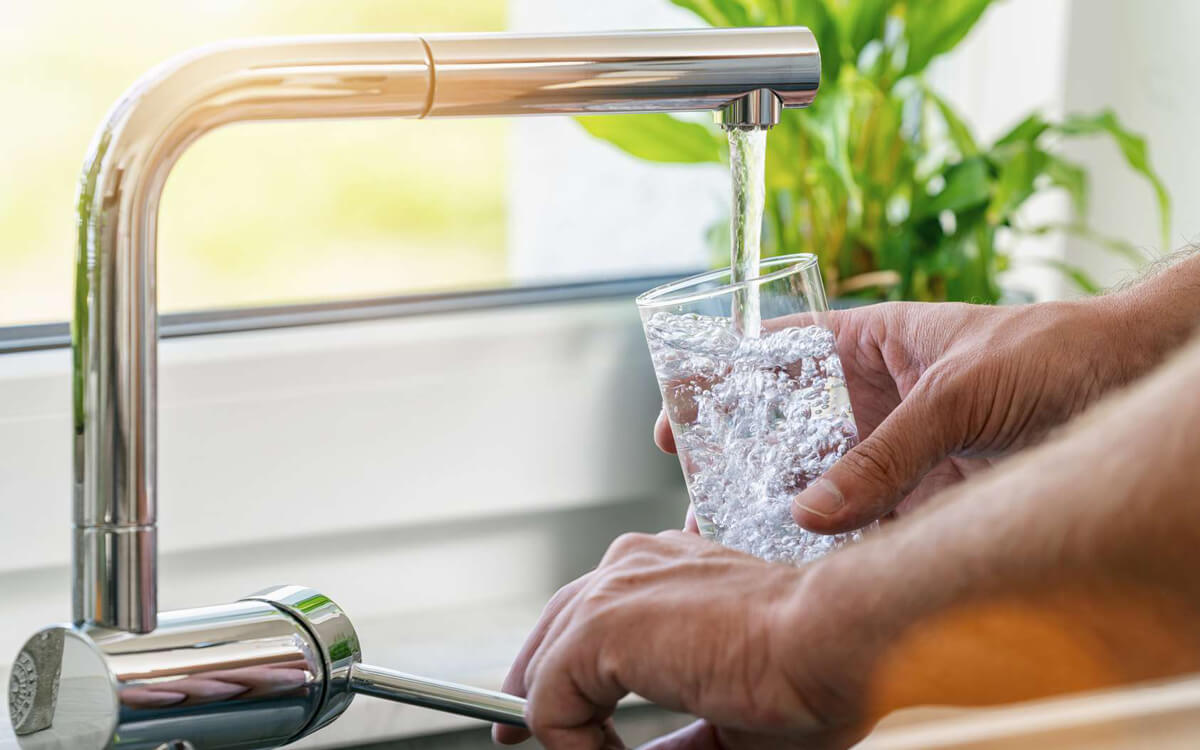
(1025, 131)
(960, 134)
(967, 185)
(718, 12)
(656, 137)
(1133, 148)
(932, 27)
(1019, 168)
(1071, 177)
(863, 21)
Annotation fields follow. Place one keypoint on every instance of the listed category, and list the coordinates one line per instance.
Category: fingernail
(821, 498)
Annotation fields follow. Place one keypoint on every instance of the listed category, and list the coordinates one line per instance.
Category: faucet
(121, 675)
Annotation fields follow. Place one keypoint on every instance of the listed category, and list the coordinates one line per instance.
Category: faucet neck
(114, 333)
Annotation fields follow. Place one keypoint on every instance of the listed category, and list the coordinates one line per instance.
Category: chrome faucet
(107, 680)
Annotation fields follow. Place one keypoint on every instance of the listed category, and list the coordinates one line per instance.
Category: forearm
(1068, 568)
(1153, 316)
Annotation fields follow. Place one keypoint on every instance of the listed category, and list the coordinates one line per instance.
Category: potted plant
(881, 178)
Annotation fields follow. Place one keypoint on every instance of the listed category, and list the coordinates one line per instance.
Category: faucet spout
(746, 74)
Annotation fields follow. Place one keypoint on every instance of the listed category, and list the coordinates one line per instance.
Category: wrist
(1148, 320)
(838, 624)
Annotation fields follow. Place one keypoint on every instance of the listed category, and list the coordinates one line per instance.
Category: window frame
(43, 336)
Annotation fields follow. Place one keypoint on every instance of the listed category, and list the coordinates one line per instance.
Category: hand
(1064, 570)
(940, 390)
(686, 624)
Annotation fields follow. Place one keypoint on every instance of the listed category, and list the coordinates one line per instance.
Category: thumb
(875, 475)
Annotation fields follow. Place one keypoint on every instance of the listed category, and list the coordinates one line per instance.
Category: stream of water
(747, 162)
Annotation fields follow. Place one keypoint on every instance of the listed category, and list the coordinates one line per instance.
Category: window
(253, 214)
(277, 213)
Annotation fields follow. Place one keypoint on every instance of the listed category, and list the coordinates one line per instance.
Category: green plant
(881, 178)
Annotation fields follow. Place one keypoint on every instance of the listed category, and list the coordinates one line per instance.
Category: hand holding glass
(758, 414)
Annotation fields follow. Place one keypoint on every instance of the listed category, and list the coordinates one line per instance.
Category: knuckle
(536, 718)
(876, 460)
(596, 599)
(627, 544)
(564, 594)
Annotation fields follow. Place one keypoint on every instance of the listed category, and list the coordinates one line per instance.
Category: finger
(699, 735)
(514, 683)
(835, 320)
(944, 475)
(663, 437)
(503, 734)
(873, 477)
(570, 703)
(583, 738)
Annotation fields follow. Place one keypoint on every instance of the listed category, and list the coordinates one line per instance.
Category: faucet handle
(450, 697)
(347, 675)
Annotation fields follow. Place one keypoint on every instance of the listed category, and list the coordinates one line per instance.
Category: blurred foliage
(253, 214)
(881, 178)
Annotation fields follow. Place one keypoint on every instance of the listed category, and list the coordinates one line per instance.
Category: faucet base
(247, 674)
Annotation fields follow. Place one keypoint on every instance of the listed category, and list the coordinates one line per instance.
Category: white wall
(1061, 56)
(580, 207)
(1014, 63)
(1142, 59)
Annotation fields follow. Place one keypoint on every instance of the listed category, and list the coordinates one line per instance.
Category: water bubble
(761, 419)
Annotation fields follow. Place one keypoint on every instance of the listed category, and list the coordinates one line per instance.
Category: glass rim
(677, 292)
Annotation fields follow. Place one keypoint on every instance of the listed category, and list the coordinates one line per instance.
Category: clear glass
(756, 417)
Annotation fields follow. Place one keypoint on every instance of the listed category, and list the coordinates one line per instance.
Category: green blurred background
(253, 214)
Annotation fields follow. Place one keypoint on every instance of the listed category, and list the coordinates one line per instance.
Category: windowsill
(41, 336)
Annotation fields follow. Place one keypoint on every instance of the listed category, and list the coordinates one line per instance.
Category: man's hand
(940, 390)
(684, 623)
(1070, 568)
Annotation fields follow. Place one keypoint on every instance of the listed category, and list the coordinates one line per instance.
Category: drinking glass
(758, 413)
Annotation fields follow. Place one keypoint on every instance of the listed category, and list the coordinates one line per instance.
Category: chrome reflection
(237, 675)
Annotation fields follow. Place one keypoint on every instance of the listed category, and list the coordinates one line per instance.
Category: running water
(747, 163)
(757, 414)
